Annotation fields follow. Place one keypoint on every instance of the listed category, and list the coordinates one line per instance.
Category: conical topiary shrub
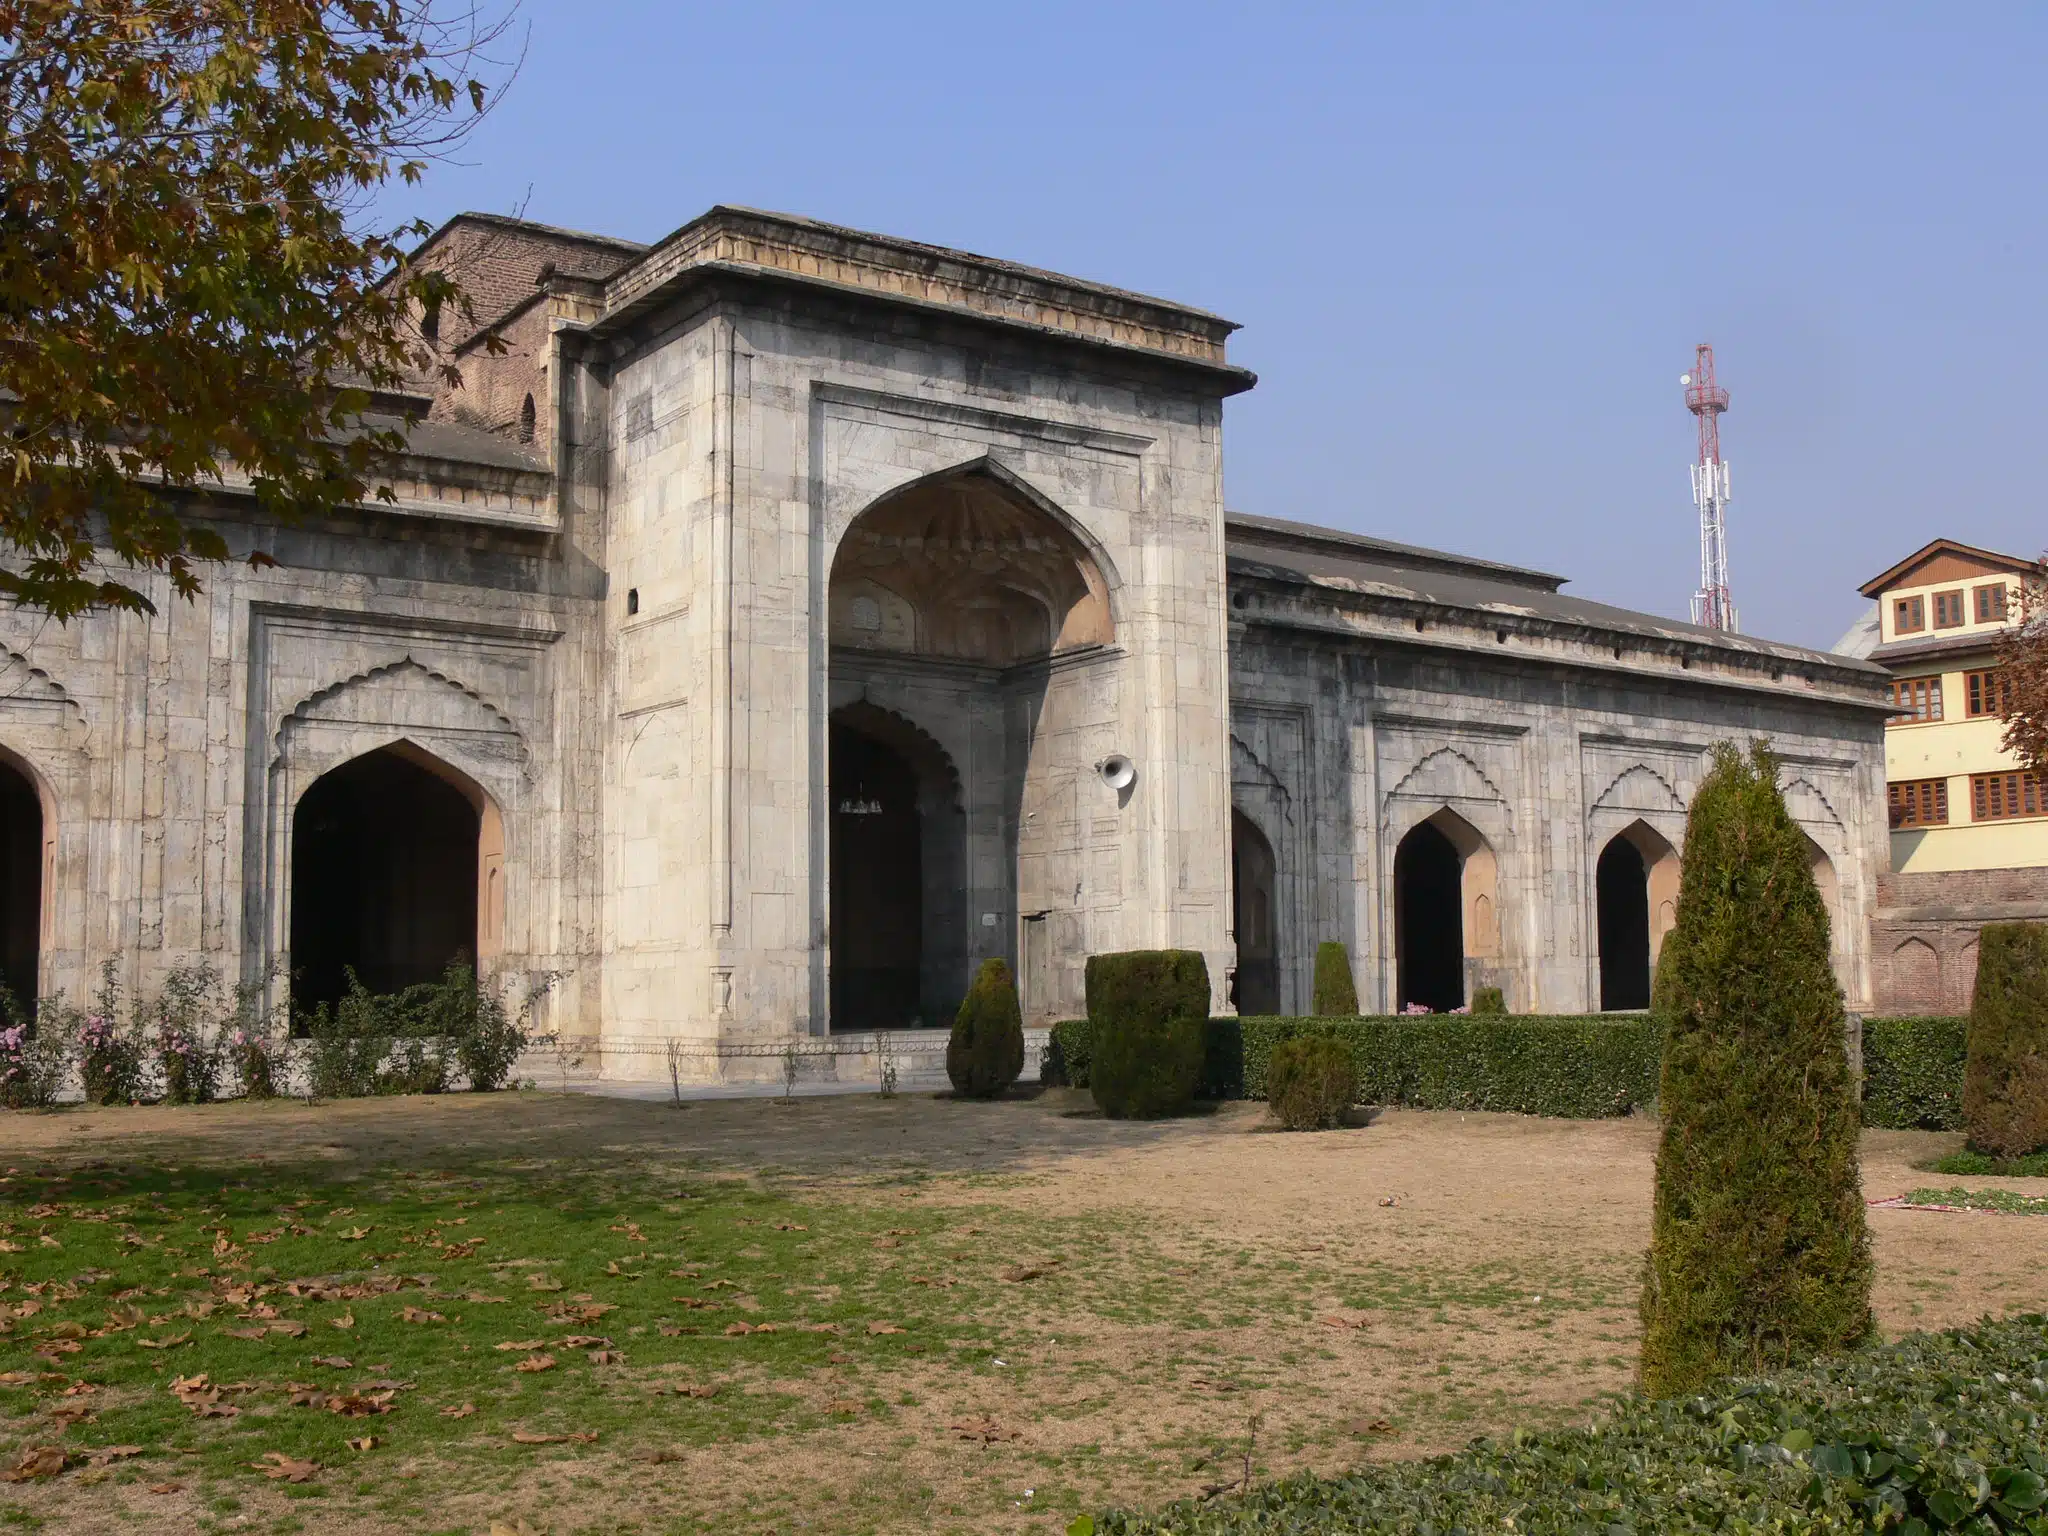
(987, 1049)
(2005, 1085)
(1759, 1251)
(1336, 996)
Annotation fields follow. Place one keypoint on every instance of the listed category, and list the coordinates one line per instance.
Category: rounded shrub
(1336, 995)
(986, 1053)
(1760, 1253)
(1310, 1082)
(2005, 1082)
(1148, 1010)
(1489, 1000)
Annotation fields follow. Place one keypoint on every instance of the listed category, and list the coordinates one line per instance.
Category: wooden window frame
(1901, 607)
(1915, 803)
(1987, 694)
(2010, 796)
(1929, 700)
(1951, 610)
(1978, 605)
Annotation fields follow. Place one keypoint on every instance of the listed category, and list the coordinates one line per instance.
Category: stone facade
(817, 544)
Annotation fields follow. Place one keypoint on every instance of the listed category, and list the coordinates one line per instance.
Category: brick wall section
(1924, 933)
(499, 266)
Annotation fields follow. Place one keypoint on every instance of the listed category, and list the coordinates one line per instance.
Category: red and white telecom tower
(1711, 605)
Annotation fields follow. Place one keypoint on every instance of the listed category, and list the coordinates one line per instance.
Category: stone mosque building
(789, 618)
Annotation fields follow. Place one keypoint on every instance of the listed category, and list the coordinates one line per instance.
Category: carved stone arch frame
(43, 737)
(1259, 794)
(1642, 804)
(1828, 842)
(1482, 830)
(487, 765)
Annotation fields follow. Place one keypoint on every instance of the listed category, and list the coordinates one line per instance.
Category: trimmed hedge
(1913, 1073)
(1939, 1432)
(1912, 1068)
(1574, 1068)
(1149, 1009)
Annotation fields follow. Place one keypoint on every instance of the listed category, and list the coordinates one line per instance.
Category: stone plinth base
(851, 1060)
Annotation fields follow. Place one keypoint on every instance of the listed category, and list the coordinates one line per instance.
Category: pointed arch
(1254, 879)
(375, 696)
(1803, 798)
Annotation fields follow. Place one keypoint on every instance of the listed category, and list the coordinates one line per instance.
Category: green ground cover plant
(2006, 1200)
(1940, 1432)
(2005, 1090)
(1759, 1251)
(1971, 1163)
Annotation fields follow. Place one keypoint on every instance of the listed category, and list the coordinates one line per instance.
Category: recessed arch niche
(967, 566)
(1446, 910)
(397, 871)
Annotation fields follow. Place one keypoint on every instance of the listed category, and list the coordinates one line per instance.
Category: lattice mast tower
(1711, 605)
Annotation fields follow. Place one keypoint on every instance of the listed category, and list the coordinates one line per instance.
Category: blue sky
(1471, 246)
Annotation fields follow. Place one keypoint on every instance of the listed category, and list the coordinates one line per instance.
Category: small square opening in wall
(632, 600)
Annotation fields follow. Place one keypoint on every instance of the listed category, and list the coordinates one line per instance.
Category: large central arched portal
(389, 862)
(962, 610)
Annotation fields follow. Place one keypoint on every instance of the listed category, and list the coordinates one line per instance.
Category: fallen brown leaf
(357, 1405)
(420, 1315)
(530, 1437)
(519, 1344)
(1029, 1271)
(334, 1362)
(1368, 1427)
(36, 1461)
(166, 1487)
(363, 1443)
(987, 1431)
(534, 1363)
(289, 1329)
(276, 1464)
(172, 1342)
(100, 1456)
(346, 1320)
(607, 1357)
(460, 1411)
(246, 1333)
(583, 1341)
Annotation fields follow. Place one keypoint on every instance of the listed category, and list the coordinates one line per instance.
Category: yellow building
(1957, 798)
(1969, 828)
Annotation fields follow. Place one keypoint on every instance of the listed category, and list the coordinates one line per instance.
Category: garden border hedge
(1571, 1066)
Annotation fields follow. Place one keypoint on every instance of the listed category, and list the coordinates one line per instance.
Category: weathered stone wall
(1341, 745)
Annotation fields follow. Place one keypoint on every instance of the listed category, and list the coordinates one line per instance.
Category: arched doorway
(1429, 926)
(877, 884)
(1252, 878)
(389, 869)
(1622, 891)
(21, 883)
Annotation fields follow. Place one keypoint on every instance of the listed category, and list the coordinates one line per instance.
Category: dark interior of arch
(877, 884)
(1252, 878)
(1622, 884)
(21, 882)
(384, 873)
(1429, 927)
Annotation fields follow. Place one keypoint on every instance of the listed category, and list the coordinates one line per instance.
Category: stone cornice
(779, 247)
(1287, 602)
